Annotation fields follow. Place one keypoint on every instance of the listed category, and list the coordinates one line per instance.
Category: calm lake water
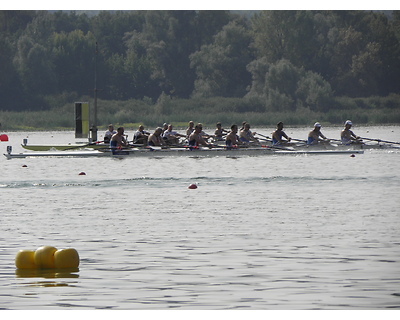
(259, 233)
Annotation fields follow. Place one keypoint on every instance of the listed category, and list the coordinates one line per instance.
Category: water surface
(259, 233)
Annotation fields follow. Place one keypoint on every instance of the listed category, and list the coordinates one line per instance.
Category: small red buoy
(3, 137)
(193, 186)
(82, 173)
(24, 166)
(353, 155)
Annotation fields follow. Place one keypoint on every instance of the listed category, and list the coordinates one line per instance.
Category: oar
(305, 141)
(379, 140)
(268, 138)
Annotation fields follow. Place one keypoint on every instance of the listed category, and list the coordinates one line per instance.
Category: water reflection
(47, 273)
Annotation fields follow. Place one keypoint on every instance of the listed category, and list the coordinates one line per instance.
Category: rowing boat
(158, 151)
(62, 147)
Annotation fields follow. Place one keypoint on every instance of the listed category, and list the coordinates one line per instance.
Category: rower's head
(317, 126)
(198, 128)
(191, 124)
(165, 126)
(158, 131)
(234, 128)
(120, 130)
(219, 124)
(110, 127)
(279, 125)
(348, 124)
(141, 128)
(247, 126)
(170, 127)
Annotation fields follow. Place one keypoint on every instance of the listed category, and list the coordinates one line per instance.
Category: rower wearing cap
(347, 136)
(315, 134)
(278, 134)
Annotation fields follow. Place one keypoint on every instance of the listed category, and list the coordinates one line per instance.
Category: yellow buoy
(44, 257)
(25, 259)
(66, 258)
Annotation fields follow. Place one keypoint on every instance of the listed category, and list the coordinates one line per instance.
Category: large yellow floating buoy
(66, 258)
(25, 259)
(47, 257)
(44, 257)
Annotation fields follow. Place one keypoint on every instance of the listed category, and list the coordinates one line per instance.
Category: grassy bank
(131, 113)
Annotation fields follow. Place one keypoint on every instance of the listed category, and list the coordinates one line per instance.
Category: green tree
(284, 87)
(281, 85)
(34, 67)
(11, 94)
(73, 57)
(221, 67)
(314, 92)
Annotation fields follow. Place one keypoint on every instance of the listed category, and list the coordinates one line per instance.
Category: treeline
(275, 61)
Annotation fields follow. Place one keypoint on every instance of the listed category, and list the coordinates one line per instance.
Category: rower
(172, 137)
(246, 136)
(190, 129)
(204, 135)
(315, 134)
(141, 136)
(164, 128)
(278, 134)
(219, 132)
(196, 137)
(155, 138)
(109, 133)
(347, 136)
(232, 139)
(118, 140)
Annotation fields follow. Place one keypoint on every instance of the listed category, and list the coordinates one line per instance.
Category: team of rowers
(233, 138)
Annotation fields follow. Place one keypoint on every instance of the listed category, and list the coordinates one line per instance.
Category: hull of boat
(156, 152)
(61, 147)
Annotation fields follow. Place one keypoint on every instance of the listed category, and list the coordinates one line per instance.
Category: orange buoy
(82, 173)
(193, 186)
